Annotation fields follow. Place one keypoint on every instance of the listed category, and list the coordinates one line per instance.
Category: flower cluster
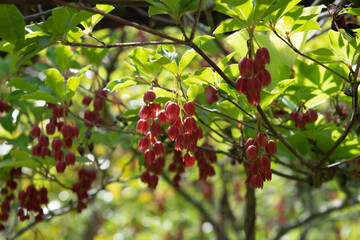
(253, 76)
(301, 119)
(7, 195)
(68, 133)
(257, 153)
(182, 130)
(31, 200)
(86, 177)
(98, 104)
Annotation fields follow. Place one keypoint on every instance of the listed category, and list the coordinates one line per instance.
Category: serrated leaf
(194, 91)
(120, 84)
(20, 83)
(12, 25)
(186, 59)
(278, 90)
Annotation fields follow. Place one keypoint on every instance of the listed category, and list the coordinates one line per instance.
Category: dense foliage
(242, 128)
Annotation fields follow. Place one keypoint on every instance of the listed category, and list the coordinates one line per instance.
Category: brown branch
(250, 213)
(211, 62)
(197, 17)
(129, 44)
(308, 217)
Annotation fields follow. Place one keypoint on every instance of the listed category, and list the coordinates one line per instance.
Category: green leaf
(23, 163)
(95, 55)
(7, 122)
(56, 82)
(338, 45)
(175, 9)
(201, 40)
(222, 64)
(63, 57)
(229, 25)
(19, 155)
(186, 59)
(194, 91)
(12, 25)
(280, 89)
(90, 23)
(353, 11)
(71, 86)
(78, 18)
(232, 71)
(143, 61)
(291, 16)
(20, 83)
(205, 75)
(82, 159)
(120, 84)
(21, 141)
(41, 95)
(283, 7)
(60, 20)
(305, 25)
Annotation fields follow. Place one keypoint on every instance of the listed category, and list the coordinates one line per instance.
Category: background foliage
(67, 51)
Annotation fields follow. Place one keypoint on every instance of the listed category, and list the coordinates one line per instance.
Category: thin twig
(310, 58)
(343, 162)
(197, 17)
(222, 114)
(282, 139)
(339, 140)
(308, 217)
(237, 105)
(102, 126)
(281, 174)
